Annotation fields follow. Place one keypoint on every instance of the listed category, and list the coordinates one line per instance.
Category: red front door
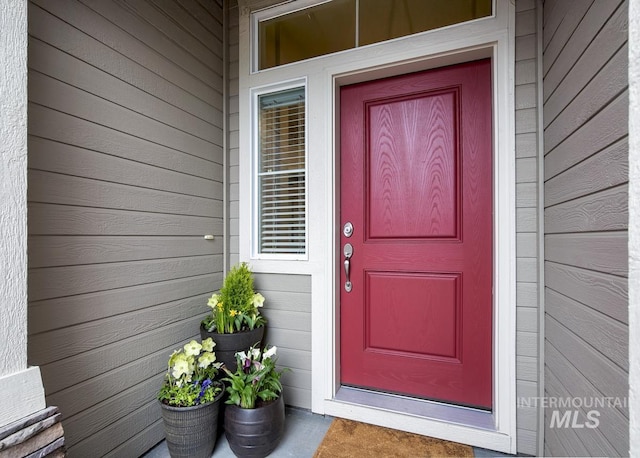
(416, 185)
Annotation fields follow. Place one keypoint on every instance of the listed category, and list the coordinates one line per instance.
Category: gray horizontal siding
(288, 311)
(527, 247)
(233, 133)
(130, 167)
(125, 178)
(586, 214)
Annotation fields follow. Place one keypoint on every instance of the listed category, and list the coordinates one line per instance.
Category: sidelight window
(281, 174)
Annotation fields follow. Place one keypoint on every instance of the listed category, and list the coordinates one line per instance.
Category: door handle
(348, 252)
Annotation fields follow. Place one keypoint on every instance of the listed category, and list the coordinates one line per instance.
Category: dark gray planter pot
(254, 433)
(228, 344)
(191, 432)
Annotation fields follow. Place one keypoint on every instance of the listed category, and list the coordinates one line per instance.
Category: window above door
(283, 35)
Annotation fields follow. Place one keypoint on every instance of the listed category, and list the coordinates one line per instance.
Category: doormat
(349, 439)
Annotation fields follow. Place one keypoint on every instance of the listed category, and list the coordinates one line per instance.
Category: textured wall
(634, 225)
(13, 186)
(21, 387)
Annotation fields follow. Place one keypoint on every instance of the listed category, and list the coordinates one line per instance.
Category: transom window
(337, 25)
(281, 173)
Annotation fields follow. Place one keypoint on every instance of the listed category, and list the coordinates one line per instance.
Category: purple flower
(205, 384)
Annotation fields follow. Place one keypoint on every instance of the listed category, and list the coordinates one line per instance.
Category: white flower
(208, 344)
(181, 381)
(180, 368)
(192, 348)
(258, 300)
(255, 353)
(243, 356)
(213, 300)
(173, 357)
(206, 360)
(270, 352)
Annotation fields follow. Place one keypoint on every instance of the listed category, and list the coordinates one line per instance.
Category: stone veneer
(37, 435)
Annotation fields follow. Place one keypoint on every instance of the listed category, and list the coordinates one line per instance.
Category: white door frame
(489, 37)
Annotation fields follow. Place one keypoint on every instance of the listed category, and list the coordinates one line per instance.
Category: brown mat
(352, 439)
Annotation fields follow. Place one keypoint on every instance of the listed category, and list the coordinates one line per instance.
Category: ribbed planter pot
(191, 432)
(254, 433)
(228, 344)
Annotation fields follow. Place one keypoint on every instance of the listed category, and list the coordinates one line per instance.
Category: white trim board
(489, 37)
(22, 395)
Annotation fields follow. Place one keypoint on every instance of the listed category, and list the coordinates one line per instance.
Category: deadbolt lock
(347, 230)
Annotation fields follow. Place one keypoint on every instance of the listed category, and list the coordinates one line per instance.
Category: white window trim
(492, 36)
(255, 200)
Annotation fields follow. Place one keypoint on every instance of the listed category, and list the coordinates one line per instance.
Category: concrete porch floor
(303, 434)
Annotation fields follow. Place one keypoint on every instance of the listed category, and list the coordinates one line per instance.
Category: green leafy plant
(236, 307)
(255, 378)
(190, 378)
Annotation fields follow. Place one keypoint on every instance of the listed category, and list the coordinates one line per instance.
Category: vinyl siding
(527, 247)
(586, 199)
(125, 178)
(288, 311)
(233, 134)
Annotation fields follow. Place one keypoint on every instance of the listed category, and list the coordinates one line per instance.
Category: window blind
(282, 173)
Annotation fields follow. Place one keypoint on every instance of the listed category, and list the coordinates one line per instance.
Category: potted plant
(235, 322)
(254, 416)
(190, 399)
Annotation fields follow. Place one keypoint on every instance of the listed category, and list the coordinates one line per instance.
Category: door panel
(416, 183)
(411, 168)
(390, 301)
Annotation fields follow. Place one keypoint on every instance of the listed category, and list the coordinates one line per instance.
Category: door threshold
(417, 407)
(460, 424)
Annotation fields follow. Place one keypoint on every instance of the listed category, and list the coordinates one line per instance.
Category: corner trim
(22, 395)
